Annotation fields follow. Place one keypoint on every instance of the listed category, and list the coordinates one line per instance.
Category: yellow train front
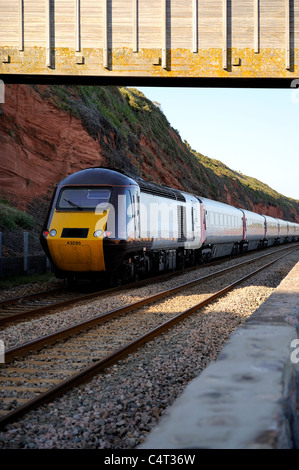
(84, 235)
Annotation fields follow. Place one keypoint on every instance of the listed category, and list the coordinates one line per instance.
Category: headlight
(97, 233)
(53, 232)
(107, 234)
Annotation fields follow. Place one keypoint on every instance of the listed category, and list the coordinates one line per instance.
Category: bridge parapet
(160, 38)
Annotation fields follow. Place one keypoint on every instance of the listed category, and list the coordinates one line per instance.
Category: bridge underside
(133, 40)
(122, 62)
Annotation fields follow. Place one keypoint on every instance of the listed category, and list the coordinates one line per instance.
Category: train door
(265, 228)
(203, 218)
(193, 219)
(244, 219)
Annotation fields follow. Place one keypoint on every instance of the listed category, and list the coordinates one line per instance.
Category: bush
(12, 218)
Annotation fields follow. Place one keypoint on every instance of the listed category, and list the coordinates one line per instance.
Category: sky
(254, 131)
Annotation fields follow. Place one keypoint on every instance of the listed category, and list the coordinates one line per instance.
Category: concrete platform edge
(248, 398)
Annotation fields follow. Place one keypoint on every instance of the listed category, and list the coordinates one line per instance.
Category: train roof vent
(162, 191)
(180, 196)
(152, 188)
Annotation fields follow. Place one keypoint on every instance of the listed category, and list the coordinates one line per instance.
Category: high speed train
(113, 223)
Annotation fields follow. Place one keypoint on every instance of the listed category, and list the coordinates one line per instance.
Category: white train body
(103, 220)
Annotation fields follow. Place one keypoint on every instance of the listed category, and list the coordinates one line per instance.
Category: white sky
(255, 131)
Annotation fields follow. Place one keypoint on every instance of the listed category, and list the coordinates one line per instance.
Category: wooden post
(287, 35)
(21, 25)
(195, 26)
(256, 26)
(78, 41)
(48, 33)
(164, 35)
(135, 25)
(105, 48)
(224, 23)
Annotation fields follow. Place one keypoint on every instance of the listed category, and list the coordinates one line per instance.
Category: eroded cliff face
(41, 143)
(266, 209)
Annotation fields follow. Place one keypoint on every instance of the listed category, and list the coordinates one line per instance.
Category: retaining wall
(248, 398)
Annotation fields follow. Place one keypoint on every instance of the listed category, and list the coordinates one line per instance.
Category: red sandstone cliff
(41, 143)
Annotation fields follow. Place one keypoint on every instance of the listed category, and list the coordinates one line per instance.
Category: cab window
(74, 199)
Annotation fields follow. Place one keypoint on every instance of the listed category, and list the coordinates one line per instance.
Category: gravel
(15, 335)
(117, 409)
(31, 288)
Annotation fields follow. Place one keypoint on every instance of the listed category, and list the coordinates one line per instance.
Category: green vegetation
(126, 110)
(12, 218)
(135, 135)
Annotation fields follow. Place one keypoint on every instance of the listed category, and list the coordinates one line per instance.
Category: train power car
(109, 223)
(103, 221)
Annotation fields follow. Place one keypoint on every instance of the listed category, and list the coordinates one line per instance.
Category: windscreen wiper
(73, 204)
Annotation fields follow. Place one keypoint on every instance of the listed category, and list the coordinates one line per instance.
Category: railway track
(33, 305)
(29, 305)
(88, 348)
(36, 304)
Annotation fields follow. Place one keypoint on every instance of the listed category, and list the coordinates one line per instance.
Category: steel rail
(85, 297)
(54, 305)
(112, 358)
(25, 297)
(65, 303)
(47, 340)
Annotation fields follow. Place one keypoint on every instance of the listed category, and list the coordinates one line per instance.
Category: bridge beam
(204, 39)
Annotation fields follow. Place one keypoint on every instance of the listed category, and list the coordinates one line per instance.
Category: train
(105, 223)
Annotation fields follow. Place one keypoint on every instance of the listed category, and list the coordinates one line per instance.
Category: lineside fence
(30, 258)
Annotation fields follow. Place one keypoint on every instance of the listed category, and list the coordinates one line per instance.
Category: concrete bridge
(232, 40)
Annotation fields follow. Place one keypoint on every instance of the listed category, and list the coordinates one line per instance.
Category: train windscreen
(82, 198)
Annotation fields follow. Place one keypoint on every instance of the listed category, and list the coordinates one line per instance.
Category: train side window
(136, 215)
(134, 205)
(129, 204)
